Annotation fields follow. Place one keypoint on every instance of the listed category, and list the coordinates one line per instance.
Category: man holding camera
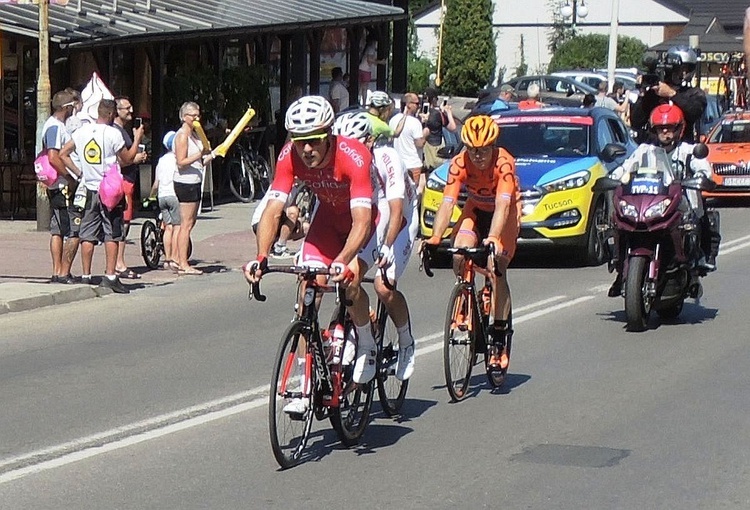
(675, 86)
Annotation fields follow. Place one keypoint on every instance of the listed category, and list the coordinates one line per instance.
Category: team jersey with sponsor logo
(392, 178)
(97, 146)
(341, 185)
(483, 186)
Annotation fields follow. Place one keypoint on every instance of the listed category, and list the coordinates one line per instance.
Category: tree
(590, 51)
(522, 66)
(468, 56)
(561, 31)
(418, 67)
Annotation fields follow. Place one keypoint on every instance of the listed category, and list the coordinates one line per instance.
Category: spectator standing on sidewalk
(338, 93)
(54, 137)
(129, 174)
(188, 179)
(409, 142)
(437, 118)
(291, 227)
(98, 147)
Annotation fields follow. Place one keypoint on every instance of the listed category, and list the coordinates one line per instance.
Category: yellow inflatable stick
(222, 149)
(202, 135)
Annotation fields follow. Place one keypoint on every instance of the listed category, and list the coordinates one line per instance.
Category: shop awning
(87, 23)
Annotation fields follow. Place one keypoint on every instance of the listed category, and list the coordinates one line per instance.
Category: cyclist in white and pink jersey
(337, 169)
(397, 225)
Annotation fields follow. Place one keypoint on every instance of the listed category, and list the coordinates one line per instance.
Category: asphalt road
(158, 400)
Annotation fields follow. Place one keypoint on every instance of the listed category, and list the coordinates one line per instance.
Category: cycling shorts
(326, 237)
(479, 221)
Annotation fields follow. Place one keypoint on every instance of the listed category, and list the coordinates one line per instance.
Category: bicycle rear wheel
(241, 183)
(350, 418)
(261, 171)
(151, 244)
(459, 340)
(292, 379)
(391, 391)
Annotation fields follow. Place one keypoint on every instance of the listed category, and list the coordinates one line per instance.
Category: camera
(655, 71)
(426, 108)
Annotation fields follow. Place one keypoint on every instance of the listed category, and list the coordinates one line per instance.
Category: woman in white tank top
(187, 181)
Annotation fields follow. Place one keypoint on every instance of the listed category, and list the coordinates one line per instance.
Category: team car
(560, 154)
(729, 154)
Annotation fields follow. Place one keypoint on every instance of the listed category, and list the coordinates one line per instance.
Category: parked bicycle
(315, 366)
(247, 171)
(467, 321)
(152, 238)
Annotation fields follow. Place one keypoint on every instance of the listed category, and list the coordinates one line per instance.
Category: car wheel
(594, 252)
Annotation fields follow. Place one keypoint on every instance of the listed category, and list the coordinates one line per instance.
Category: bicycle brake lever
(255, 293)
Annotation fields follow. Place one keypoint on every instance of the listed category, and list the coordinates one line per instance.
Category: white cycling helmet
(379, 99)
(308, 114)
(353, 125)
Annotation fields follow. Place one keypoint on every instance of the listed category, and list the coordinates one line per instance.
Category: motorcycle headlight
(573, 181)
(628, 209)
(435, 185)
(658, 209)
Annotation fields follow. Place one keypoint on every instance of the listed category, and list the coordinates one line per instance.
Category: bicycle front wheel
(241, 184)
(290, 403)
(151, 244)
(391, 391)
(459, 340)
(350, 418)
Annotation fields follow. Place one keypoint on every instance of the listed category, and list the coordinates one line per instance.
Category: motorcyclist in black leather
(680, 63)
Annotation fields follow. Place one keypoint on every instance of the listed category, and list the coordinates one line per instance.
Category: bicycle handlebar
(304, 271)
(472, 253)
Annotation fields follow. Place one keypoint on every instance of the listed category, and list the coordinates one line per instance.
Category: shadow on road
(692, 313)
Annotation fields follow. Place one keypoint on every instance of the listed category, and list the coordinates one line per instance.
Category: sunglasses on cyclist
(311, 139)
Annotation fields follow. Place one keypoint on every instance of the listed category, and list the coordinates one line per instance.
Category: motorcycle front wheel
(637, 300)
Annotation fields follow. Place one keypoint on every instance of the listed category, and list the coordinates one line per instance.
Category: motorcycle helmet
(680, 63)
(308, 114)
(480, 131)
(668, 115)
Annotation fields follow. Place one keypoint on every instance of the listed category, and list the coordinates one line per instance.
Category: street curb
(45, 295)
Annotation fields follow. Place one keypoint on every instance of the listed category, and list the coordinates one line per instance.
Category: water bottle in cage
(338, 343)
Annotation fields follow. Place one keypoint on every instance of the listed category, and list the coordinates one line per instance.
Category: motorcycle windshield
(650, 171)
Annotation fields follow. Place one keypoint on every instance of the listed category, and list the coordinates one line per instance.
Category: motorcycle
(658, 235)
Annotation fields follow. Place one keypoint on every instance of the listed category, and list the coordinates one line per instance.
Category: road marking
(733, 246)
(121, 437)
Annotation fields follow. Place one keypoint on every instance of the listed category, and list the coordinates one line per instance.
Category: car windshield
(547, 139)
(737, 131)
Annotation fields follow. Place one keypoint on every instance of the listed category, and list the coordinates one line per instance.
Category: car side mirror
(700, 151)
(612, 151)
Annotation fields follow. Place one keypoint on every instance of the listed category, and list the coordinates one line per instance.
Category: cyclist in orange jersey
(492, 213)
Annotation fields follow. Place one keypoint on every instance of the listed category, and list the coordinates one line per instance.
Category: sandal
(189, 271)
(128, 274)
(171, 265)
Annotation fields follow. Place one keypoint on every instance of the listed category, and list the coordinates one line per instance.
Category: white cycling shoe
(297, 406)
(405, 362)
(365, 365)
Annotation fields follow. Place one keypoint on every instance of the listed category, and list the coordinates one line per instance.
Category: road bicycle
(248, 172)
(316, 365)
(152, 238)
(467, 321)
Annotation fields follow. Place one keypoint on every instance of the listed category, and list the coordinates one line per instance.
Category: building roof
(88, 22)
(712, 36)
(730, 13)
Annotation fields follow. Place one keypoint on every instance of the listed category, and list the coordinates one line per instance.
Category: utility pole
(43, 98)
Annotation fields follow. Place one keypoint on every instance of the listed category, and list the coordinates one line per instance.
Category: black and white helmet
(353, 125)
(308, 114)
(379, 99)
(681, 58)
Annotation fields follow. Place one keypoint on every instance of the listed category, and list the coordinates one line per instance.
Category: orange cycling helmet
(480, 131)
